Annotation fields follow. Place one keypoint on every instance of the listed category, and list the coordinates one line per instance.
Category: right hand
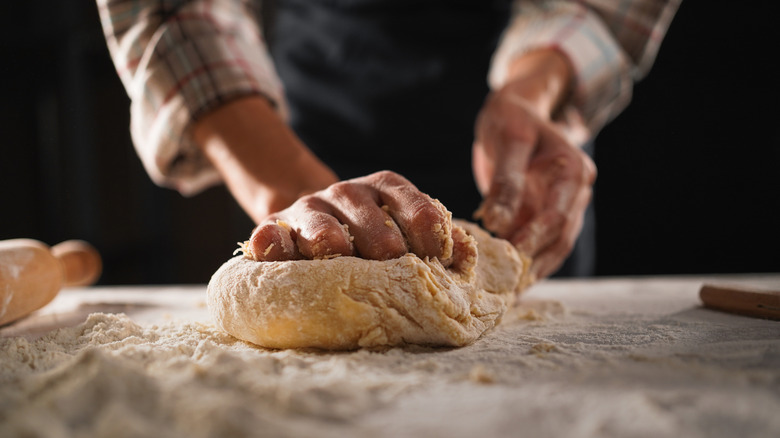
(379, 216)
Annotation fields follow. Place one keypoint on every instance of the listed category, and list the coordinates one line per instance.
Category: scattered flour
(579, 370)
(112, 377)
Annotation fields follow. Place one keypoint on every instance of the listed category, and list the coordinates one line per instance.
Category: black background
(688, 175)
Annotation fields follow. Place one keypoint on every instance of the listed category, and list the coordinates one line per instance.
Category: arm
(558, 76)
(264, 165)
(535, 180)
(609, 46)
(179, 60)
(207, 106)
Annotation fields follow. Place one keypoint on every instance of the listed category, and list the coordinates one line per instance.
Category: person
(332, 121)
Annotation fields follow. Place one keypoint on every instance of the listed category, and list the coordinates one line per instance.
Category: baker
(331, 121)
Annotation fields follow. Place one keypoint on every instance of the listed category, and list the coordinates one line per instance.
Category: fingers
(271, 241)
(376, 235)
(504, 197)
(502, 152)
(379, 217)
(425, 222)
(307, 229)
(547, 225)
(550, 258)
(318, 233)
(550, 236)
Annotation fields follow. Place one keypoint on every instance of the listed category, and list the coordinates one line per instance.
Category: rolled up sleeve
(178, 60)
(610, 44)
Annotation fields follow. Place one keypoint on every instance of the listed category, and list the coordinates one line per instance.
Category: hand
(535, 181)
(379, 216)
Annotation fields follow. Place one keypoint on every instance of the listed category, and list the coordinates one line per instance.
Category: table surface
(593, 357)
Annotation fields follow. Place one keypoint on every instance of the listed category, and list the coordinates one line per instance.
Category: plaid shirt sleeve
(178, 59)
(610, 43)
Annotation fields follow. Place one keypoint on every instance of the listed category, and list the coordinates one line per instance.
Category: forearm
(608, 44)
(262, 162)
(179, 60)
(544, 78)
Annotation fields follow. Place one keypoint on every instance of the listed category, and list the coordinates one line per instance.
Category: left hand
(535, 180)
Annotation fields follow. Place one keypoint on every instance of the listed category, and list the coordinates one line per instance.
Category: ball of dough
(348, 302)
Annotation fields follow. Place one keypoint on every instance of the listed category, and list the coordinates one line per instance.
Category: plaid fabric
(611, 44)
(180, 58)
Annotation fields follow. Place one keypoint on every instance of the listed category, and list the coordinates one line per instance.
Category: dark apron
(389, 84)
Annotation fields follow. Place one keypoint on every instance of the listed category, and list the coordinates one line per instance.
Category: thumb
(502, 201)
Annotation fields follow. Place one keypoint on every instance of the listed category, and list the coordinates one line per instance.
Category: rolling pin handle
(32, 273)
(81, 262)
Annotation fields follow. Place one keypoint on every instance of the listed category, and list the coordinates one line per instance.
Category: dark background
(688, 175)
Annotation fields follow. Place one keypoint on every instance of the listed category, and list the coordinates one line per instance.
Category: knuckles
(343, 190)
(314, 230)
(385, 178)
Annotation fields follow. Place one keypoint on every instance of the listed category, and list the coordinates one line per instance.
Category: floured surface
(575, 358)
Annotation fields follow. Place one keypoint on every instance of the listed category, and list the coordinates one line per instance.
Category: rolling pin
(32, 273)
(742, 300)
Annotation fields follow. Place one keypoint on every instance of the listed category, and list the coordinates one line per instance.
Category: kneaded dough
(347, 302)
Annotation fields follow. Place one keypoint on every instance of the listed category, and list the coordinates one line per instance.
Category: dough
(348, 302)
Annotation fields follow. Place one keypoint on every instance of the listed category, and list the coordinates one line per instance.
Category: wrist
(542, 77)
(263, 163)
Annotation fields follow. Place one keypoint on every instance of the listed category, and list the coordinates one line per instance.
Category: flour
(112, 377)
(579, 368)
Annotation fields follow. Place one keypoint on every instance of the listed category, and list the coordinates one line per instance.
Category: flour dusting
(577, 367)
(113, 377)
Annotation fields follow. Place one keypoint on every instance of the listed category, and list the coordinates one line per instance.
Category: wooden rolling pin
(742, 300)
(31, 273)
